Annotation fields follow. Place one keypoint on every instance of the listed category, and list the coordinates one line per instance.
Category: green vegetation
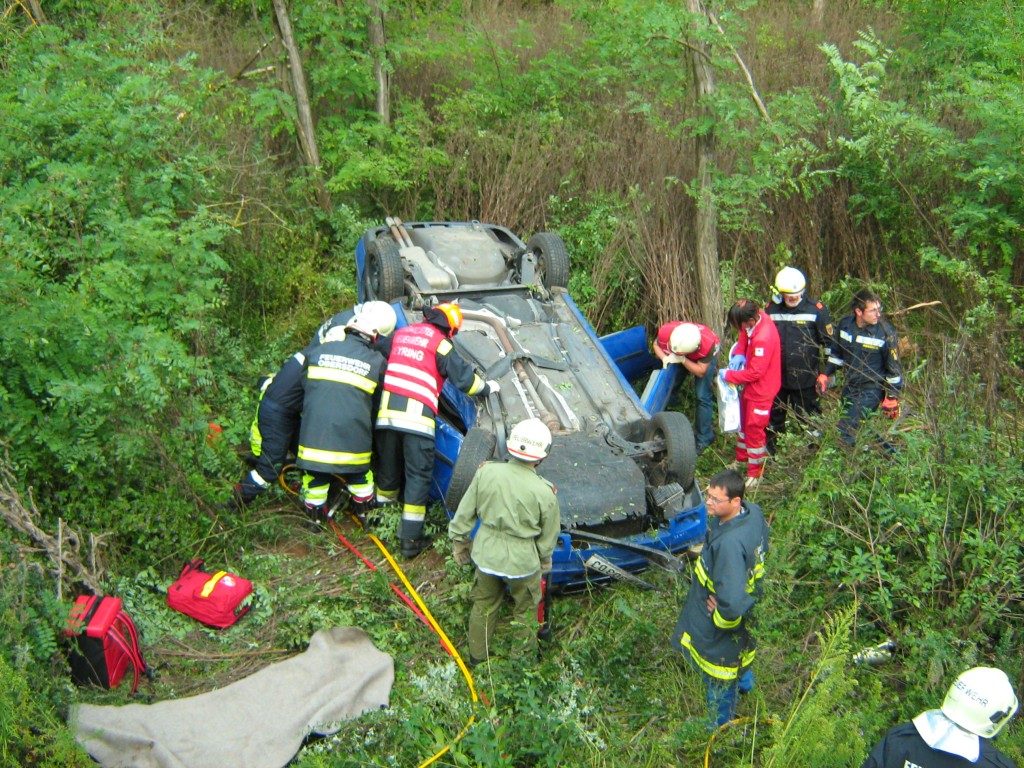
(164, 243)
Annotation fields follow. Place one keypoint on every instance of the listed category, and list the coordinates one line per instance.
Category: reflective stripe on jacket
(730, 567)
(869, 355)
(412, 366)
(342, 387)
(805, 331)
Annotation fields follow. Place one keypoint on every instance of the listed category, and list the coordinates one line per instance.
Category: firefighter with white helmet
(805, 335)
(275, 428)
(694, 347)
(421, 359)
(519, 521)
(342, 390)
(958, 735)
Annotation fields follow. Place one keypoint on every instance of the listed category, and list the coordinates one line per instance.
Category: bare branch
(61, 550)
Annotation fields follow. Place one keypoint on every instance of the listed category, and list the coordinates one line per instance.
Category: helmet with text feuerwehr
(529, 440)
(981, 700)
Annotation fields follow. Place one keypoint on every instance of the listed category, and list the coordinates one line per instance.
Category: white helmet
(790, 280)
(530, 440)
(981, 701)
(685, 339)
(374, 318)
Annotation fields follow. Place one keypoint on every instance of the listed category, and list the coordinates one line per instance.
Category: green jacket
(519, 519)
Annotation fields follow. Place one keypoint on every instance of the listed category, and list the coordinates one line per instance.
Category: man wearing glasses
(866, 348)
(714, 626)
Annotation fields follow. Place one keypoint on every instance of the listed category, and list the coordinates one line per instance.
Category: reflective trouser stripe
(257, 478)
(361, 492)
(414, 512)
(314, 495)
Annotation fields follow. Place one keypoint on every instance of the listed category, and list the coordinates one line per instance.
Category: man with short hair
(714, 626)
(867, 350)
(519, 525)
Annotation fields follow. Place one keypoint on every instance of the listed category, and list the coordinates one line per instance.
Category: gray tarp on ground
(257, 722)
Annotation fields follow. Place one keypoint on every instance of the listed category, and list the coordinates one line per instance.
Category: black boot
(361, 510)
(317, 517)
(412, 547)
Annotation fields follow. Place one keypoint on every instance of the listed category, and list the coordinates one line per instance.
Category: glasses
(713, 499)
(869, 310)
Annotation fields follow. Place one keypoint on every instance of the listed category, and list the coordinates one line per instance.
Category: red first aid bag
(215, 599)
(107, 643)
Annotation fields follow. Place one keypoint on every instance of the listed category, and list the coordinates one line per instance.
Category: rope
(415, 604)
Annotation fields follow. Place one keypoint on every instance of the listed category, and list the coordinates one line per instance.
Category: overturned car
(624, 468)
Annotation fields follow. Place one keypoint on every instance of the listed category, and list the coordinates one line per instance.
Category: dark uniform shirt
(804, 331)
(342, 389)
(730, 567)
(903, 747)
(869, 356)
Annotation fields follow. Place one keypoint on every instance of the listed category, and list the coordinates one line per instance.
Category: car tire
(677, 463)
(477, 447)
(383, 278)
(552, 259)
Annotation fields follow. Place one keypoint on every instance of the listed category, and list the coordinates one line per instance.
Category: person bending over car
(422, 358)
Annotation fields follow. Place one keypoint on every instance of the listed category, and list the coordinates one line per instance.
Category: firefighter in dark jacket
(714, 627)
(867, 350)
(805, 334)
(342, 390)
(275, 428)
(979, 703)
(422, 358)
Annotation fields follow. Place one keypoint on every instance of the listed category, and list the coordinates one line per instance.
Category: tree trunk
(818, 13)
(710, 290)
(307, 137)
(379, 51)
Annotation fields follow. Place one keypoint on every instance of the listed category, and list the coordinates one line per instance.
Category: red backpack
(107, 643)
(216, 600)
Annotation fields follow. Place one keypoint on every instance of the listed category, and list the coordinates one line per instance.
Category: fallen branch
(61, 550)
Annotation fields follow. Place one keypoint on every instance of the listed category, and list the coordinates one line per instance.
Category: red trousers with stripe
(752, 440)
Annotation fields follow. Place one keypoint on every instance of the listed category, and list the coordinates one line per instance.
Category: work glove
(461, 551)
(737, 362)
(492, 387)
(891, 407)
(670, 359)
(546, 565)
(822, 385)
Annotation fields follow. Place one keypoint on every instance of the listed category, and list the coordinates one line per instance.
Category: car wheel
(552, 259)
(677, 461)
(477, 447)
(383, 278)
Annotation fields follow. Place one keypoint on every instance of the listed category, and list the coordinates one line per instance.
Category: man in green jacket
(519, 525)
(714, 627)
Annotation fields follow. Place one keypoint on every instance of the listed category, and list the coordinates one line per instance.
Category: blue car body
(623, 471)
